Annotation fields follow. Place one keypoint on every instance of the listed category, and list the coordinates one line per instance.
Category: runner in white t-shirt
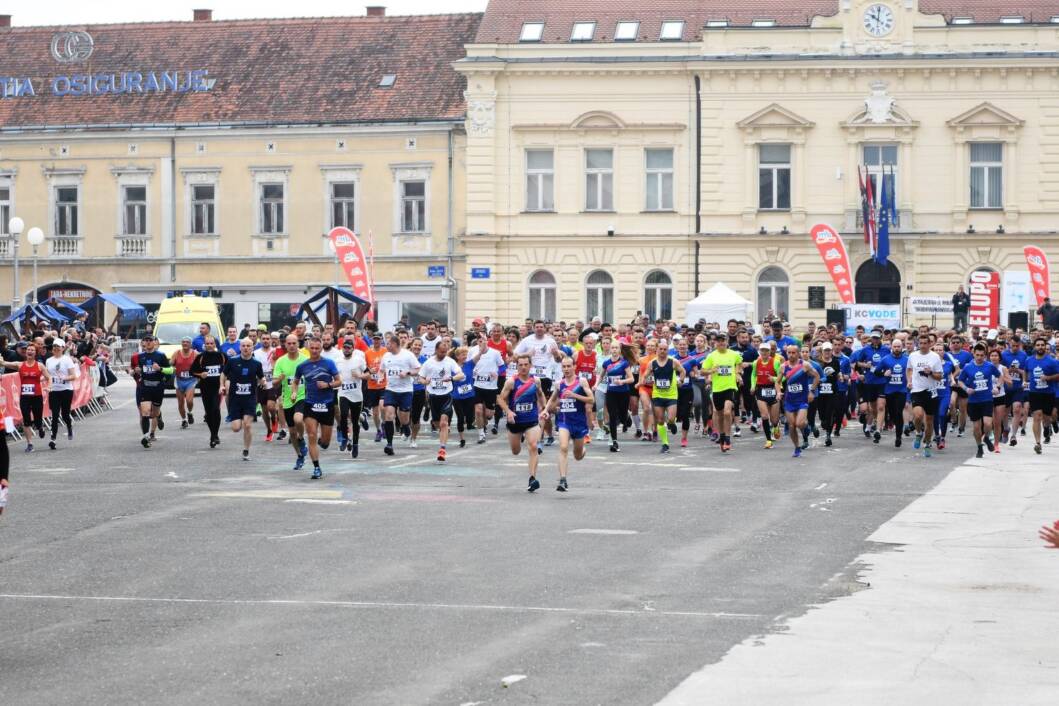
(487, 364)
(400, 367)
(925, 372)
(438, 372)
(353, 367)
(62, 371)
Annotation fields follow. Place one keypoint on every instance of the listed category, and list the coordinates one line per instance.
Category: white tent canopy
(719, 303)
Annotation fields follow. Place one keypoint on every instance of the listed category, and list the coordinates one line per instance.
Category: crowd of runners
(704, 387)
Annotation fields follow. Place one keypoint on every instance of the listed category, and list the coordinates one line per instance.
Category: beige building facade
(623, 159)
(236, 195)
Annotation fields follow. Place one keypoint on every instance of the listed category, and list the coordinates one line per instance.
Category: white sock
(636, 421)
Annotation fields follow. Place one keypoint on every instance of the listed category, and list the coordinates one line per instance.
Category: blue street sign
(435, 271)
(480, 273)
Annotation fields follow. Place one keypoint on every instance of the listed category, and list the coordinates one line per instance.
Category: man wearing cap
(184, 381)
(150, 369)
(782, 340)
(830, 399)
(872, 386)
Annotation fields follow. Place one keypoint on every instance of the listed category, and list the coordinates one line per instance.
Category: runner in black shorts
(150, 371)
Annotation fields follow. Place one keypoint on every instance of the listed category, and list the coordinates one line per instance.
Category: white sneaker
(3, 498)
(600, 434)
(736, 432)
(412, 444)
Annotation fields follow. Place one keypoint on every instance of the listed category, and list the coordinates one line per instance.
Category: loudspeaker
(837, 317)
(1018, 319)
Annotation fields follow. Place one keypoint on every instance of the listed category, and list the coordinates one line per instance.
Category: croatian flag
(886, 213)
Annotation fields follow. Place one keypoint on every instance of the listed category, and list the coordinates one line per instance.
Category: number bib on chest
(29, 389)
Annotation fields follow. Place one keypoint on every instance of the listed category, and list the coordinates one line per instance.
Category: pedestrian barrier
(89, 398)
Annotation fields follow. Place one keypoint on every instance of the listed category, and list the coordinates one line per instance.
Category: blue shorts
(185, 384)
(240, 406)
(577, 428)
(400, 400)
(793, 407)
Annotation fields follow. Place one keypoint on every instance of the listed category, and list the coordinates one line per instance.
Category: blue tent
(36, 312)
(63, 304)
(128, 310)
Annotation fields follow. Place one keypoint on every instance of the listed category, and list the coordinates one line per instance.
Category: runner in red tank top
(31, 385)
(585, 367)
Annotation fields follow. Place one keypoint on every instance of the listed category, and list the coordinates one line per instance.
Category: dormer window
(626, 31)
(763, 23)
(531, 32)
(672, 31)
(583, 32)
(717, 23)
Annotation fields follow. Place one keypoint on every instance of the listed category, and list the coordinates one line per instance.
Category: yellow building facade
(232, 195)
(674, 152)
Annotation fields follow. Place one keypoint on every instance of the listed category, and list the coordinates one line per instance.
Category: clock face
(878, 20)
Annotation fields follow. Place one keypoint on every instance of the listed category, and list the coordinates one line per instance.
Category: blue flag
(886, 196)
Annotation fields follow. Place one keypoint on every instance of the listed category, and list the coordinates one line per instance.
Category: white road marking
(46, 470)
(386, 604)
(511, 679)
(708, 469)
(318, 501)
(602, 531)
(821, 486)
(171, 475)
(309, 534)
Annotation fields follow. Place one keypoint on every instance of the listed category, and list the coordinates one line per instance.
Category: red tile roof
(291, 71)
(503, 19)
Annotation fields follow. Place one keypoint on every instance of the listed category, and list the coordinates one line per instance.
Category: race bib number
(795, 388)
(584, 375)
(1042, 384)
(242, 388)
(615, 379)
(213, 371)
(933, 393)
(980, 385)
(29, 389)
(319, 406)
(56, 380)
(524, 407)
(393, 372)
(349, 386)
(464, 389)
(768, 392)
(896, 379)
(378, 376)
(184, 374)
(724, 370)
(482, 378)
(663, 384)
(825, 388)
(268, 377)
(438, 386)
(538, 371)
(567, 406)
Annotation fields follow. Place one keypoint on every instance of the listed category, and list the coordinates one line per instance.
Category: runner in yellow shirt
(724, 366)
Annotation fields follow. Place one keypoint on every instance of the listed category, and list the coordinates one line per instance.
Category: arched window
(542, 296)
(600, 299)
(773, 293)
(658, 296)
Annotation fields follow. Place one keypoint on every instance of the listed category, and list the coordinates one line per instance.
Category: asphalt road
(182, 574)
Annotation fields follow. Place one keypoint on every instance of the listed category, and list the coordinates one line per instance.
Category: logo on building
(71, 47)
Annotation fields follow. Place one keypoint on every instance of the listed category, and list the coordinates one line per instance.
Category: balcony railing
(7, 246)
(65, 246)
(133, 246)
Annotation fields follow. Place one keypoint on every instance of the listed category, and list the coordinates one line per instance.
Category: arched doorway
(878, 284)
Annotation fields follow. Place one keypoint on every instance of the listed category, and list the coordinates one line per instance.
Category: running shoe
(827, 441)
(737, 432)
(797, 452)
(897, 439)
(281, 435)
(601, 435)
(533, 484)
(1014, 441)
(3, 498)
(918, 441)
(754, 428)
(941, 444)
(550, 441)
(268, 436)
(1022, 431)
(816, 432)
(246, 455)
(1004, 438)
(161, 424)
(354, 450)
(979, 454)
(29, 448)
(303, 448)
(364, 421)
(614, 447)
(638, 434)
(926, 452)
(683, 443)
(481, 437)
(672, 427)
(988, 443)
(40, 432)
(875, 437)
(441, 455)
(191, 418)
(867, 433)
(342, 443)
(768, 443)
(184, 424)
(152, 436)
(388, 450)
(317, 473)
(495, 427)
(588, 438)
(664, 449)
(562, 485)
(145, 441)
(463, 443)
(959, 433)
(996, 450)
(1037, 449)
(412, 444)
(213, 442)
(378, 436)
(776, 434)
(725, 447)
(299, 463)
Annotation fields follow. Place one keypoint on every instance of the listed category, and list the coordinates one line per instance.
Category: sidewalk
(965, 610)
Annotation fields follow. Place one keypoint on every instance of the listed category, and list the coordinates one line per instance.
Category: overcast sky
(54, 12)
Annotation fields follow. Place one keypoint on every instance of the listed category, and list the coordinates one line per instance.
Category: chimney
(5, 21)
(203, 15)
(376, 11)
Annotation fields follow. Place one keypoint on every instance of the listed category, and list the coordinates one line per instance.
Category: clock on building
(878, 20)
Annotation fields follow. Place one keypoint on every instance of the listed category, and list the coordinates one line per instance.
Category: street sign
(480, 273)
(435, 271)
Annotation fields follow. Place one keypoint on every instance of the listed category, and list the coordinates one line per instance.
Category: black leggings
(349, 410)
(32, 408)
(830, 408)
(211, 405)
(419, 401)
(464, 413)
(60, 401)
(5, 459)
(685, 401)
(895, 407)
(617, 410)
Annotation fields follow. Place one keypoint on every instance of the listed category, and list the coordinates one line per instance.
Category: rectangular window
(203, 209)
(343, 205)
(877, 159)
(599, 180)
(134, 209)
(583, 32)
(774, 177)
(626, 31)
(531, 32)
(659, 179)
(5, 209)
(272, 216)
(413, 206)
(672, 31)
(987, 175)
(540, 180)
(66, 211)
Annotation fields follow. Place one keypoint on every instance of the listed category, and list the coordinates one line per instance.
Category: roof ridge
(170, 24)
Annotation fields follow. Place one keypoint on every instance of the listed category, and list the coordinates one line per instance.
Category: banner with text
(836, 259)
(985, 299)
(929, 306)
(350, 255)
(1037, 261)
(1014, 293)
(871, 315)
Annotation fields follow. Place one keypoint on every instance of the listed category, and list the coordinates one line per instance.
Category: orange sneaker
(441, 454)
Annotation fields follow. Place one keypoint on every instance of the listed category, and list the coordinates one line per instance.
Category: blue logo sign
(435, 271)
(480, 273)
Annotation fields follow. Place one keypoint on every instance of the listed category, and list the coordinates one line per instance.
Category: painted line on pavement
(386, 604)
(602, 531)
(318, 501)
